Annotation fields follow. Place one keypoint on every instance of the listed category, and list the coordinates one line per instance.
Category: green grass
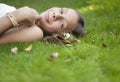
(95, 59)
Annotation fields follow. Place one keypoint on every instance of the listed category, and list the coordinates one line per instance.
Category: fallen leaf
(93, 41)
(104, 45)
(29, 48)
(50, 59)
(77, 40)
(55, 55)
(67, 60)
(14, 50)
(69, 45)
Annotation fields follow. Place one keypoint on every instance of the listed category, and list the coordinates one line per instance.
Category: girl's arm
(22, 14)
(5, 24)
(23, 35)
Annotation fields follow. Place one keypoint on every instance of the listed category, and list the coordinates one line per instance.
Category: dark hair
(80, 29)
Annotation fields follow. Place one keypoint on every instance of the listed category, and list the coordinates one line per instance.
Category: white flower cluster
(67, 35)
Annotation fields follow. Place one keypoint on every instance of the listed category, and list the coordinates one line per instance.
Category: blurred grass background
(95, 59)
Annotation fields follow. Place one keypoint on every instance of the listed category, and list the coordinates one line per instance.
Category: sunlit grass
(90, 8)
(95, 59)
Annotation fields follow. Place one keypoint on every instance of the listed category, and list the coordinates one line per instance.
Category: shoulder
(37, 30)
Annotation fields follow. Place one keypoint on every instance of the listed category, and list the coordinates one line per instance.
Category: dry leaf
(50, 59)
(69, 45)
(14, 50)
(104, 45)
(61, 38)
(67, 60)
(29, 48)
(55, 55)
(93, 41)
(77, 40)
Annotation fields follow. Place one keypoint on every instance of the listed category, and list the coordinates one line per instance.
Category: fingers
(35, 13)
(27, 14)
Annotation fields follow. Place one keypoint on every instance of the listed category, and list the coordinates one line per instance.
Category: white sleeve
(5, 9)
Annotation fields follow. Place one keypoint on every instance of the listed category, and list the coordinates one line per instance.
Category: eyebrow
(66, 26)
(65, 21)
(65, 9)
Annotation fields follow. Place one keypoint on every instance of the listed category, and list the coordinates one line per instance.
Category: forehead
(71, 18)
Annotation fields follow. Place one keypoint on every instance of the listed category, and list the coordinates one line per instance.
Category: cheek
(50, 28)
(54, 27)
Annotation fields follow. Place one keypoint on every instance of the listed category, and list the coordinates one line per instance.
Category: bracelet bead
(13, 20)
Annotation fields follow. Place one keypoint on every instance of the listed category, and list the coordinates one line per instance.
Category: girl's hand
(26, 14)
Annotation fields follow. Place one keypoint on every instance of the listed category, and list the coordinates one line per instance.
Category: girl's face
(57, 20)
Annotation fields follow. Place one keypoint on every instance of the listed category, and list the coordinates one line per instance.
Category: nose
(57, 16)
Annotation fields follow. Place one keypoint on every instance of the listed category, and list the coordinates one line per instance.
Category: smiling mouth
(47, 17)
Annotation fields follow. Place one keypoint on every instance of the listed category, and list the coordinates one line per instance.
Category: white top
(4, 9)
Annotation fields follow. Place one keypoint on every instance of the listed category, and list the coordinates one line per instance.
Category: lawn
(95, 59)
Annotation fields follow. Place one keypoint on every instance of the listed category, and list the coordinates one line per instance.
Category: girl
(26, 24)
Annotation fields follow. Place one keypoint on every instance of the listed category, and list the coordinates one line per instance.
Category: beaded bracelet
(12, 19)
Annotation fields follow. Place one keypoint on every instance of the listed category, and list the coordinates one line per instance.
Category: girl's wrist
(12, 19)
(17, 16)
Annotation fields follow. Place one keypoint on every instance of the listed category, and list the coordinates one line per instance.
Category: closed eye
(61, 10)
(62, 25)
